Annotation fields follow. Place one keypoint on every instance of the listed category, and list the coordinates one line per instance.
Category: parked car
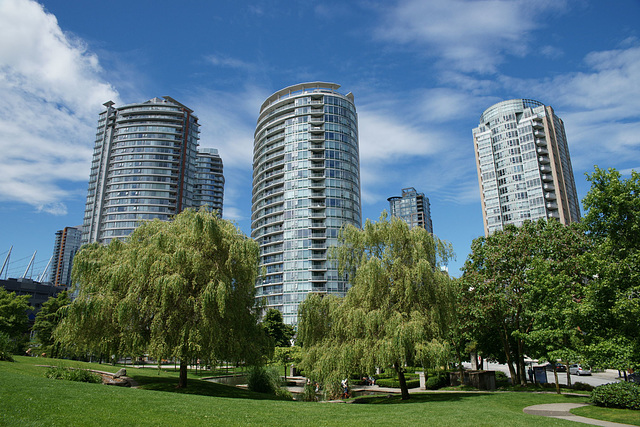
(578, 369)
(559, 367)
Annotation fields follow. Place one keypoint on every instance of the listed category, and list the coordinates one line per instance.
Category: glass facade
(143, 167)
(523, 163)
(65, 247)
(413, 208)
(306, 185)
(209, 188)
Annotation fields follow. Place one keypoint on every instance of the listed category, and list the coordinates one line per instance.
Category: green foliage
(611, 306)
(47, 320)
(182, 289)
(14, 319)
(437, 380)
(580, 386)
(623, 395)
(69, 374)
(395, 383)
(263, 379)
(277, 329)
(309, 393)
(522, 288)
(5, 347)
(502, 380)
(395, 313)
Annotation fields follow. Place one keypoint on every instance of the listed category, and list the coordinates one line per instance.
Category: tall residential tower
(209, 188)
(524, 168)
(306, 185)
(413, 208)
(143, 167)
(66, 245)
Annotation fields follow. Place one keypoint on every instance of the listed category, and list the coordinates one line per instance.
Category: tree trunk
(182, 382)
(555, 376)
(403, 383)
(568, 376)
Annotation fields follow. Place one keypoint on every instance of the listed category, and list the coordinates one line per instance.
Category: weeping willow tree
(182, 289)
(395, 313)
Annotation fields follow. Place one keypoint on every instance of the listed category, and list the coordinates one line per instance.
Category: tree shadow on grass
(426, 397)
(198, 387)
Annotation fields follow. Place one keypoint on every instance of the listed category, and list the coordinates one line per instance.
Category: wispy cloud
(228, 62)
(599, 105)
(466, 35)
(51, 89)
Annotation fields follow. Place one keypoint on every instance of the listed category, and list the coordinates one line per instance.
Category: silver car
(578, 369)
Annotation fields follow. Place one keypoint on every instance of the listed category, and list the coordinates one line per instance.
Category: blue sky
(422, 73)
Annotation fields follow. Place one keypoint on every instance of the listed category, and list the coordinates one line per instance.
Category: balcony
(550, 196)
(538, 133)
(542, 150)
(545, 169)
(552, 205)
(544, 160)
(547, 177)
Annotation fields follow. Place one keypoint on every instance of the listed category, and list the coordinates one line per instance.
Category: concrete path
(561, 410)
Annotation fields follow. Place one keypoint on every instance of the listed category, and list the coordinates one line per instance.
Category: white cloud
(466, 35)
(228, 62)
(51, 90)
(600, 106)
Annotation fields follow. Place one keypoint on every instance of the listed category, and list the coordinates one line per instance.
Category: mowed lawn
(28, 398)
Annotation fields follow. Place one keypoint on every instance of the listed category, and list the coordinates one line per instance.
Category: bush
(502, 380)
(309, 393)
(80, 375)
(624, 395)
(437, 380)
(263, 380)
(582, 386)
(267, 380)
(395, 383)
(5, 347)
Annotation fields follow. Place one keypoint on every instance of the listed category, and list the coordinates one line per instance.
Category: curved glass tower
(306, 185)
(524, 168)
(143, 167)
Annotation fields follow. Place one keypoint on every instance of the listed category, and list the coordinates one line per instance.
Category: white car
(577, 369)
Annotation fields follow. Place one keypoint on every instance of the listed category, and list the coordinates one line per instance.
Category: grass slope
(27, 398)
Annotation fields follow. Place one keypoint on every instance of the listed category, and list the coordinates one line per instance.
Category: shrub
(267, 380)
(624, 395)
(263, 380)
(308, 393)
(502, 380)
(5, 347)
(395, 383)
(437, 380)
(582, 386)
(80, 375)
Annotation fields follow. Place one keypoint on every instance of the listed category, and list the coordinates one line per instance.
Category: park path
(562, 411)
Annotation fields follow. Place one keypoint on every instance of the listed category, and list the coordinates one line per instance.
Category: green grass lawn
(28, 398)
(623, 416)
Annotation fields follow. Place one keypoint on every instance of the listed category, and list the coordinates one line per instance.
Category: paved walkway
(561, 410)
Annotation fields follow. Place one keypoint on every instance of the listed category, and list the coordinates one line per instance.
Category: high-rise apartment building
(306, 185)
(209, 188)
(65, 247)
(413, 208)
(144, 165)
(524, 168)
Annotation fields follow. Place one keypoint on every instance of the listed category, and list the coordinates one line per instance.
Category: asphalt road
(595, 379)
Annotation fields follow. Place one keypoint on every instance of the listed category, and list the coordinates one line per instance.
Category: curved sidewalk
(561, 410)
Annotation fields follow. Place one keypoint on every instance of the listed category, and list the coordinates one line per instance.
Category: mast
(24, 276)
(6, 261)
(42, 276)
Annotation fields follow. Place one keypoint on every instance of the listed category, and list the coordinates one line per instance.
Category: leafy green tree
(395, 313)
(182, 289)
(612, 305)
(47, 320)
(523, 285)
(14, 320)
(277, 329)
